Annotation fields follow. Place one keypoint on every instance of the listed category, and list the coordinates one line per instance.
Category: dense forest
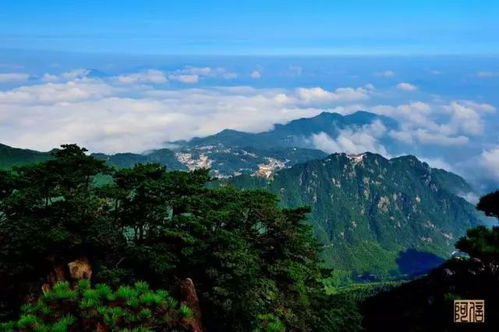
(86, 247)
(375, 215)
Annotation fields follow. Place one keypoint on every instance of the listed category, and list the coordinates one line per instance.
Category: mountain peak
(229, 131)
(295, 133)
(356, 157)
(325, 114)
(364, 204)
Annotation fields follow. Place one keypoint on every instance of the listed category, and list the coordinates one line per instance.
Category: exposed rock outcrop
(73, 271)
(190, 299)
(80, 269)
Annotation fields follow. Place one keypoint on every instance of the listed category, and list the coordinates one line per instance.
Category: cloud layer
(490, 161)
(406, 86)
(13, 77)
(353, 140)
(142, 110)
(130, 113)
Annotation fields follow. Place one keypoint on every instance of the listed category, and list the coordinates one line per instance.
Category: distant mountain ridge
(293, 134)
(10, 157)
(232, 152)
(224, 161)
(367, 210)
(164, 157)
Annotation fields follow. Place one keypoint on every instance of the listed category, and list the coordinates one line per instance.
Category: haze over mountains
(444, 106)
(367, 211)
(296, 133)
(232, 152)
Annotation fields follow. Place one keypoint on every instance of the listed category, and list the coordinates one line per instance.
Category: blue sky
(252, 27)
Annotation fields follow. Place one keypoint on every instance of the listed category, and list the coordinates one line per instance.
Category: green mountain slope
(227, 161)
(368, 210)
(164, 157)
(10, 157)
(223, 161)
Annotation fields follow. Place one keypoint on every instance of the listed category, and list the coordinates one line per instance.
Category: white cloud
(109, 116)
(386, 74)
(402, 136)
(370, 87)
(432, 138)
(406, 86)
(416, 113)
(427, 137)
(51, 93)
(411, 116)
(319, 95)
(295, 71)
(404, 110)
(465, 116)
(256, 74)
(438, 163)
(487, 108)
(11, 66)
(147, 76)
(205, 72)
(132, 113)
(353, 140)
(185, 78)
(66, 76)
(13, 77)
(487, 74)
(490, 162)
(437, 124)
(471, 197)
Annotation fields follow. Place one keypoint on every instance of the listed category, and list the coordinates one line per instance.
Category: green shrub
(82, 308)
(269, 323)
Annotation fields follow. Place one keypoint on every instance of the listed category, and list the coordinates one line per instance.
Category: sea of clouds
(142, 110)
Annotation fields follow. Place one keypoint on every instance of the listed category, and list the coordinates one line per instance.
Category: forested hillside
(10, 157)
(152, 250)
(251, 263)
(427, 304)
(367, 210)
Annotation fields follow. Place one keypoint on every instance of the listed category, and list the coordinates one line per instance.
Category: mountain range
(371, 214)
(296, 133)
(232, 152)
(11, 157)
(369, 211)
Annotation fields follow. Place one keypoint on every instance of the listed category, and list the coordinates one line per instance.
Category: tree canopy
(83, 308)
(247, 257)
(489, 204)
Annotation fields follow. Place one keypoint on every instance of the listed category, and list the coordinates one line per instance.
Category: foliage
(427, 304)
(368, 210)
(269, 323)
(245, 255)
(84, 308)
(481, 242)
(163, 157)
(489, 204)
